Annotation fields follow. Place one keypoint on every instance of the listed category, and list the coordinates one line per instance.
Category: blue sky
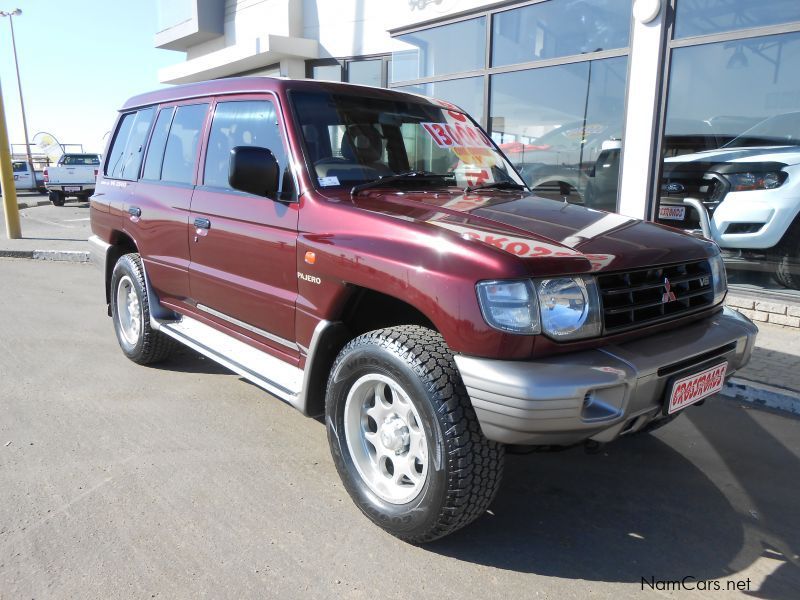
(79, 61)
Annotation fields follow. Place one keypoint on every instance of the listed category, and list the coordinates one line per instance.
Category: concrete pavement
(50, 232)
(181, 481)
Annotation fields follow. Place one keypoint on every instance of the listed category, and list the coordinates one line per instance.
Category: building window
(701, 17)
(466, 93)
(558, 28)
(455, 48)
(561, 126)
(363, 70)
(731, 138)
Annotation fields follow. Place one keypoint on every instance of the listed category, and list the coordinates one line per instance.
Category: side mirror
(253, 170)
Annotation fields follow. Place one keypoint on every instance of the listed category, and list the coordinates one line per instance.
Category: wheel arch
(364, 310)
(121, 244)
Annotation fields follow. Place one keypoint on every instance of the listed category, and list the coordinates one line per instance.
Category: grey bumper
(597, 394)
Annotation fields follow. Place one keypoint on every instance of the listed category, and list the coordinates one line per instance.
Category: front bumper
(602, 393)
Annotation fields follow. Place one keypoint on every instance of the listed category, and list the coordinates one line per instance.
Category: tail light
(45, 176)
(95, 173)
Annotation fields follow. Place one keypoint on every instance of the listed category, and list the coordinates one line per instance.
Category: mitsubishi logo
(669, 295)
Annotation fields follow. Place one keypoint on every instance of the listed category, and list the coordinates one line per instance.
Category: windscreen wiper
(497, 185)
(407, 176)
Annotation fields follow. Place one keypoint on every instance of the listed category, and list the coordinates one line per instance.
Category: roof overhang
(259, 52)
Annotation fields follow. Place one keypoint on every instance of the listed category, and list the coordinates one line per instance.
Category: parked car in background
(26, 178)
(371, 255)
(745, 195)
(73, 176)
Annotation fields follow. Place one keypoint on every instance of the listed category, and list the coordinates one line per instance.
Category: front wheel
(404, 436)
(787, 258)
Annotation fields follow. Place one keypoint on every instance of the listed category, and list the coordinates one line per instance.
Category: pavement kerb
(79, 256)
(32, 203)
(762, 394)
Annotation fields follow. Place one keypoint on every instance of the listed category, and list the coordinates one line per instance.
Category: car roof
(244, 85)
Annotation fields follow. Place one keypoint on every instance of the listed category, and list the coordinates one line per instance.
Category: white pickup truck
(74, 175)
(744, 195)
(26, 178)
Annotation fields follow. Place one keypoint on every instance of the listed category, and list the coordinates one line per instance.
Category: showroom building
(682, 111)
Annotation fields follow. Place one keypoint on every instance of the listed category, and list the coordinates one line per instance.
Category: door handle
(202, 223)
(135, 211)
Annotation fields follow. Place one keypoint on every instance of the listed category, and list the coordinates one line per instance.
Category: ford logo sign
(673, 188)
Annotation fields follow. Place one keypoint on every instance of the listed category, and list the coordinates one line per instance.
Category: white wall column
(644, 95)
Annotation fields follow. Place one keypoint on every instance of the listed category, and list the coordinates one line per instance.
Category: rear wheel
(130, 311)
(404, 436)
(57, 198)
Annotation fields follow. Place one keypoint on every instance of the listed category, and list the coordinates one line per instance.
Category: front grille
(637, 298)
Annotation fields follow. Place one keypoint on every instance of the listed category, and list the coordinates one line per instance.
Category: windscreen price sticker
(694, 388)
(445, 135)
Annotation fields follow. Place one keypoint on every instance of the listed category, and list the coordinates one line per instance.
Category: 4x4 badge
(669, 295)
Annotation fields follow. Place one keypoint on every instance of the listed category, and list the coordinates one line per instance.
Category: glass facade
(731, 142)
(561, 126)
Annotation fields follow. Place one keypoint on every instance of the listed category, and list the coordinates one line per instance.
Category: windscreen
(351, 140)
(780, 130)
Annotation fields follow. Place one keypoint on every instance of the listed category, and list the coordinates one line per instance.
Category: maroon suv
(372, 255)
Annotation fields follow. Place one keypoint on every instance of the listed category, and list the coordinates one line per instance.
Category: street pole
(10, 208)
(11, 16)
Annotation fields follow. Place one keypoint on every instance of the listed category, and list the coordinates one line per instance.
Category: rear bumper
(86, 188)
(597, 394)
(98, 251)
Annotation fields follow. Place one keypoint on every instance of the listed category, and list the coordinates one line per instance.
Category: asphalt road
(121, 481)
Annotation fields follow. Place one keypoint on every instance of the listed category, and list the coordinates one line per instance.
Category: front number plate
(688, 390)
(671, 213)
(72, 188)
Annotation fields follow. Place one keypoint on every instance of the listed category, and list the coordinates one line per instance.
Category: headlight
(570, 307)
(743, 182)
(718, 278)
(509, 306)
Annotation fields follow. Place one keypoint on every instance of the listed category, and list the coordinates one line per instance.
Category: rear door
(243, 247)
(158, 213)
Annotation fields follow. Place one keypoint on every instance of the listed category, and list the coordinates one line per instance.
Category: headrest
(362, 143)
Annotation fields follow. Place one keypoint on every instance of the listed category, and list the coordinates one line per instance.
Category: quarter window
(117, 151)
(127, 165)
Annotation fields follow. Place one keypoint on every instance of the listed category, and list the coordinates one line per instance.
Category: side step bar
(272, 374)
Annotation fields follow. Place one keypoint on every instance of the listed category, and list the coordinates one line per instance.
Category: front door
(243, 247)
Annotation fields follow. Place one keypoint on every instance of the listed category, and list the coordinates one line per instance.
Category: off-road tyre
(57, 198)
(464, 469)
(150, 346)
(786, 256)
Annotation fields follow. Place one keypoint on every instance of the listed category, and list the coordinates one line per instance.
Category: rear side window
(131, 137)
(180, 154)
(81, 159)
(158, 141)
(242, 123)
